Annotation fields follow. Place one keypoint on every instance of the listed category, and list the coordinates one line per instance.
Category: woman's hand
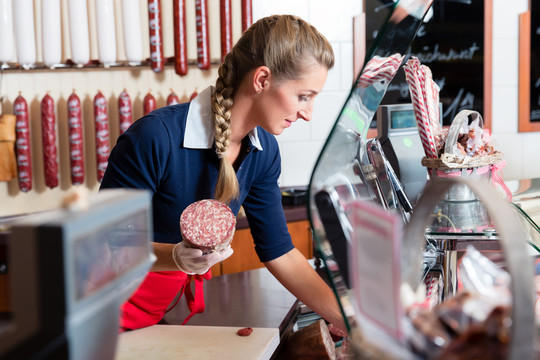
(192, 261)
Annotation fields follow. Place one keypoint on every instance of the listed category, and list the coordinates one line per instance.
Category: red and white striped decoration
(379, 69)
(414, 75)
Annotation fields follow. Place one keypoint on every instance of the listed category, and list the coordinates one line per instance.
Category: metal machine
(69, 272)
(398, 134)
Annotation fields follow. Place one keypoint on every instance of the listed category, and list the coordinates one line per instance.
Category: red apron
(151, 300)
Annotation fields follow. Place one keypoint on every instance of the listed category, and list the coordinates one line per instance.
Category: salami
(203, 41)
(180, 44)
(22, 144)
(76, 151)
(149, 103)
(208, 225)
(156, 38)
(226, 27)
(48, 132)
(125, 114)
(245, 331)
(172, 99)
(247, 14)
(101, 121)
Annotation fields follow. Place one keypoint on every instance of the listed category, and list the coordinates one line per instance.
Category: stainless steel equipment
(69, 272)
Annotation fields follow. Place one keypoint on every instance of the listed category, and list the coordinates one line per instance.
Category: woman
(221, 145)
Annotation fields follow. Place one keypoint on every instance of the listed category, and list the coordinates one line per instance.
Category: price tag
(375, 260)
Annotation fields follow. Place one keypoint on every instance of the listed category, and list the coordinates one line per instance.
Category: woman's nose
(305, 114)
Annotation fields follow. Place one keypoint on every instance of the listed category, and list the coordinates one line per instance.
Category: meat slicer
(69, 271)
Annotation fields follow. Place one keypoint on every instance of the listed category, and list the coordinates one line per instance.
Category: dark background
(451, 44)
(535, 61)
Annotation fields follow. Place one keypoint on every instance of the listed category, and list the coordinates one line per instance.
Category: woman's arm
(294, 272)
(164, 261)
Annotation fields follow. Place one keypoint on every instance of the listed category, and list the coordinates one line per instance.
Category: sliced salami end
(208, 225)
(245, 331)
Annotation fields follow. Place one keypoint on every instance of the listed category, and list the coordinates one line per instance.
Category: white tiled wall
(301, 144)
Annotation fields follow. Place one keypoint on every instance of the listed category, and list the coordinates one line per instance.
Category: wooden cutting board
(187, 342)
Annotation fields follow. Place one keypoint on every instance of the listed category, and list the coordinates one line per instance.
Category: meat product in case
(76, 151)
(48, 132)
(125, 115)
(102, 134)
(208, 225)
(22, 144)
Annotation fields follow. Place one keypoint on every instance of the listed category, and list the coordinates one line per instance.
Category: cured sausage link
(247, 14)
(125, 113)
(203, 41)
(180, 44)
(156, 38)
(76, 151)
(48, 132)
(22, 144)
(101, 120)
(149, 103)
(226, 27)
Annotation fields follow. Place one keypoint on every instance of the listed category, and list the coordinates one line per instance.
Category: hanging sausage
(203, 41)
(51, 32)
(101, 121)
(156, 38)
(149, 103)
(76, 151)
(106, 31)
(247, 14)
(172, 99)
(22, 145)
(48, 133)
(78, 32)
(7, 45)
(180, 44)
(226, 27)
(23, 11)
(125, 113)
(131, 19)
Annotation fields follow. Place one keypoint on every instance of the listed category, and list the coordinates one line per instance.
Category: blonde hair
(285, 44)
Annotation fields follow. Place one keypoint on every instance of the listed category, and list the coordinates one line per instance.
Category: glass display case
(352, 176)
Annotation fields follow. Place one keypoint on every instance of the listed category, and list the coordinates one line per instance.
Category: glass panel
(343, 171)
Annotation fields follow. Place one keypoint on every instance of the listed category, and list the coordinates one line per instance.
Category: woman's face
(282, 104)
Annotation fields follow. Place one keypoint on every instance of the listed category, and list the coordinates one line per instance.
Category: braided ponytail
(227, 187)
(285, 44)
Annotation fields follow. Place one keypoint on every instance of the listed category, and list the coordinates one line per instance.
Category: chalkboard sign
(451, 44)
(535, 61)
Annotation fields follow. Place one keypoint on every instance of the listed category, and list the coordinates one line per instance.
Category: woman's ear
(261, 78)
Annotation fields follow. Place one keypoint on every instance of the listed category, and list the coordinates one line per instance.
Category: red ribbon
(195, 302)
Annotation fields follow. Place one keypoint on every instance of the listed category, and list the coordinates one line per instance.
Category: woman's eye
(303, 98)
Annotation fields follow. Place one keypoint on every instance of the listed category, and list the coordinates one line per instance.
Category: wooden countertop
(169, 342)
(251, 298)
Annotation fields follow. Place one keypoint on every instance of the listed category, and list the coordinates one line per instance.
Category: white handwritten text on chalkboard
(430, 56)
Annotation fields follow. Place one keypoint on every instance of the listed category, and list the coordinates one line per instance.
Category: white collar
(200, 126)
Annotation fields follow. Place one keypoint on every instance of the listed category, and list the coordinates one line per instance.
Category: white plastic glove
(192, 261)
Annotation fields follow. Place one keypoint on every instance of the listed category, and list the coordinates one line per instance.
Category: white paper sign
(375, 260)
